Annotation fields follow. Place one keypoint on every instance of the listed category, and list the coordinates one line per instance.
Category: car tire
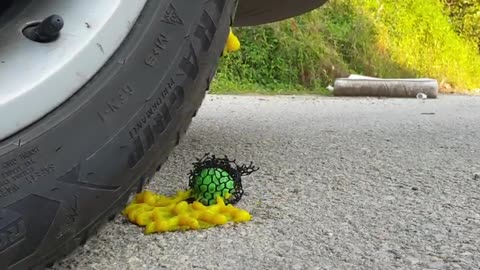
(64, 176)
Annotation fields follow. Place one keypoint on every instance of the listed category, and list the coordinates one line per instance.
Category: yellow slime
(233, 43)
(166, 214)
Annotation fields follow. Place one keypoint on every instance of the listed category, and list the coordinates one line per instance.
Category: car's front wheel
(68, 171)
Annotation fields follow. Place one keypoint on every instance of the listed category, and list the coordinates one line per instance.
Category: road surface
(351, 183)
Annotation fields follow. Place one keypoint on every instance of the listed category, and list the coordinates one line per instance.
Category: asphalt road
(344, 184)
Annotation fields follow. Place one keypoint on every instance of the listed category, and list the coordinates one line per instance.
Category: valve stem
(46, 31)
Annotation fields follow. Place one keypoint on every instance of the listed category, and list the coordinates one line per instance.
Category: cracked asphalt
(345, 183)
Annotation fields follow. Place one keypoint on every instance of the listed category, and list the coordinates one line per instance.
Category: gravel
(345, 183)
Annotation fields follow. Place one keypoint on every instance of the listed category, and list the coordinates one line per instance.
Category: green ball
(211, 183)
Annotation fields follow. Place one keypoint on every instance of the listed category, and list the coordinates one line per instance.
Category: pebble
(437, 265)
(421, 96)
(412, 260)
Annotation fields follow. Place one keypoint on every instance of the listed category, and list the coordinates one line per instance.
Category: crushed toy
(215, 185)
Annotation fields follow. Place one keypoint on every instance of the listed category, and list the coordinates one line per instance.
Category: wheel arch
(256, 12)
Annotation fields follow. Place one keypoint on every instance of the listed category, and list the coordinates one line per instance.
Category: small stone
(466, 254)
(390, 198)
(297, 267)
(437, 265)
(476, 176)
(134, 261)
(412, 260)
(439, 237)
(396, 254)
(421, 96)
(415, 188)
(455, 266)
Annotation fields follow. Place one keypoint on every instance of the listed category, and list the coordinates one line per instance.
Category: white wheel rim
(37, 77)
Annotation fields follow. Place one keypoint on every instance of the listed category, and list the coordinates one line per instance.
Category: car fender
(256, 12)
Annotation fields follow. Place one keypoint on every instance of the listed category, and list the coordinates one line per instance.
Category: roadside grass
(412, 38)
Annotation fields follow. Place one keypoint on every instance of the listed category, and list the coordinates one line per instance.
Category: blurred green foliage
(465, 16)
(384, 38)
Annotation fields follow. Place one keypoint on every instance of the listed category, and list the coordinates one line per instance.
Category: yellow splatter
(159, 213)
(233, 43)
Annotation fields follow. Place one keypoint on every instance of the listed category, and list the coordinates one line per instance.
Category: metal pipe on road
(356, 85)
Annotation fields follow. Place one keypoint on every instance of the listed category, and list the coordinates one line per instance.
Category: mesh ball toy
(214, 177)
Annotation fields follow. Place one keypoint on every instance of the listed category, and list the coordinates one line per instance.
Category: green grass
(385, 38)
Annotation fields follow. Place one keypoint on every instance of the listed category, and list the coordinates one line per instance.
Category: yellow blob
(198, 206)
(149, 199)
(206, 217)
(144, 218)
(242, 216)
(157, 226)
(233, 43)
(180, 208)
(219, 219)
(166, 214)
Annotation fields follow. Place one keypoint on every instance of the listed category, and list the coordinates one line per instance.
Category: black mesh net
(230, 166)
